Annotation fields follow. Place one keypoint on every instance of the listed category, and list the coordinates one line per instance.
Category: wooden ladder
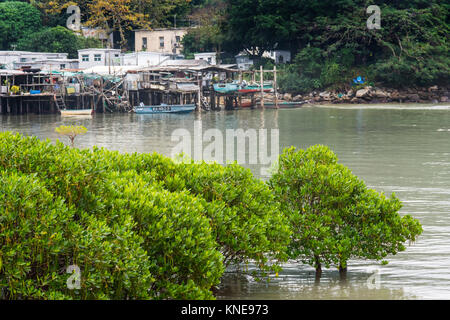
(59, 102)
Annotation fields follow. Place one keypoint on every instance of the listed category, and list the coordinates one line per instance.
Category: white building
(210, 57)
(278, 56)
(99, 57)
(49, 64)
(16, 59)
(146, 59)
(243, 61)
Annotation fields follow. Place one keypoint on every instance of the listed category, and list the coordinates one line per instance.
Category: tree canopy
(17, 19)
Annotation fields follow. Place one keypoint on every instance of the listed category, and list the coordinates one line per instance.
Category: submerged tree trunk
(318, 269)
(342, 272)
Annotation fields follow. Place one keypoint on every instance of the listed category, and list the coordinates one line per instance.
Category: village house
(49, 64)
(147, 59)
(278, 56)
(210, 57)
(99, 57)
(160, 40)
(17, 59)
(243, 61)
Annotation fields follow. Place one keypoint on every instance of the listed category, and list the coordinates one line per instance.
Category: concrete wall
(145, 58)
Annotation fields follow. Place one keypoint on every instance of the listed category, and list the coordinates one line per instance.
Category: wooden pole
(200, 83)
(275, 85)
(262, 85)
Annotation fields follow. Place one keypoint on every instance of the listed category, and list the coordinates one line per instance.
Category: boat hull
(225, 88)
(82, 112)
(179, 108)
(284, 105)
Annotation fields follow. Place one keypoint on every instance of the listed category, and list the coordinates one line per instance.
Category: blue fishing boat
(164, 108)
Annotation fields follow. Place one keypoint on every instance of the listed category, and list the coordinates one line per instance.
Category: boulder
(433, 88)
(362, 93)
(297, 98)
(350, 93)
(444, 99)
(380, 94)
(413, 97)
(287, 96)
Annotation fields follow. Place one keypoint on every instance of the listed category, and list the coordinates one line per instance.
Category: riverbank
(369, 94)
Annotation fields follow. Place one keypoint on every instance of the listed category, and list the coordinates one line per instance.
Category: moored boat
(164, 108)
(267, 87)
(285, 104)
(225, 87)
(75, 112)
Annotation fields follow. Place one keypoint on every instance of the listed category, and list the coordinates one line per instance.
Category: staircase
(59, 102)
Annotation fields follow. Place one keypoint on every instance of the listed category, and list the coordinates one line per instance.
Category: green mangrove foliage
(243, 213)
(140, 226)
(333, 215)
(183, 234)
(40, 237)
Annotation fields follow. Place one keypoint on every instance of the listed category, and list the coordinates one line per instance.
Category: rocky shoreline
(434, 94)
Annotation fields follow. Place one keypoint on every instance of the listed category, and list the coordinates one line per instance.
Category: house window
(23, 59)
(62, 66)
(161, 42)
(280, 59)
(177, 39)
(85, 57)
(144, 43)
(97, 57)
(209, 59)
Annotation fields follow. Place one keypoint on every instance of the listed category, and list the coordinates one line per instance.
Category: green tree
(411, 48)
(17, 19)
(57, 39)
(208, 35)
(333, 215)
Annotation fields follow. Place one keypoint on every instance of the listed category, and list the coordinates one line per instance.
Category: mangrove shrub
(333, 215)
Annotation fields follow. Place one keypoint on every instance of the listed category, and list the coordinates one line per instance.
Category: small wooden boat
(164, 108)
(80, 112)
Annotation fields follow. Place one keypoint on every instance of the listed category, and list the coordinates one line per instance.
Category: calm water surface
(395, 148)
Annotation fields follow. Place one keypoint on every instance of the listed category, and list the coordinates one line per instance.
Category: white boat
(80, 112)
